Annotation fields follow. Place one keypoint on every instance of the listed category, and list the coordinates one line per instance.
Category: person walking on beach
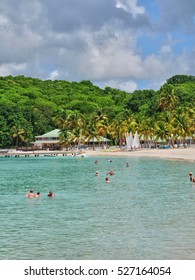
(192, 179)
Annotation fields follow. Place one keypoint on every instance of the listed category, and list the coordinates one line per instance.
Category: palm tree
(182, 123)
(168, 99)
(62, 119)
(64, 138)
(191, 114)
(161, 130)
(146, 128)
(19, 134)
(118, 127)
(71, 124)
(163, 127)
(91, 130)
(101, 120)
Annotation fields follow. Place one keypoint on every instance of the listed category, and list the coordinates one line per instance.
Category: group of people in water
(111, 172)
(31, 194)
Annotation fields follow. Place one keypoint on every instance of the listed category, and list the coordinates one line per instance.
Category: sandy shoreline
(178, 154)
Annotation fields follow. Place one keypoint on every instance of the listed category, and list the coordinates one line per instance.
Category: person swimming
(97, 173)
(51, 194)
(107, 180)
(38, 194)
(111, 172)
(31, 194)
(192, 179)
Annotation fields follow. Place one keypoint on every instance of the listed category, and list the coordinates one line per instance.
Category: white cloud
(12, 68)
(53, 75)
(107, 57)
(71, 40)
(4, 21)
(165, 49)
(130, 6)
(128, 86)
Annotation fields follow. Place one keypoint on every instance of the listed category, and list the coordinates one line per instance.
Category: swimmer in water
(97, 173)
(111, 172)
(192, 179)
(51, 194)
(107, 180)
(31, 194)
(38, 194)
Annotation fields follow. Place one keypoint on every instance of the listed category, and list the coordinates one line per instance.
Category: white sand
(179, 154)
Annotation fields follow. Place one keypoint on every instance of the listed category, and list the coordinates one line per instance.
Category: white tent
(129, 140)
(136, 142)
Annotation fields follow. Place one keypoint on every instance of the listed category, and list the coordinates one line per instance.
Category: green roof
(54, 133)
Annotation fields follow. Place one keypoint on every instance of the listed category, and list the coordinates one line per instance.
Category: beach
(171, 153)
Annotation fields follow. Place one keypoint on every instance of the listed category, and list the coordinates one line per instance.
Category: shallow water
(146, 212)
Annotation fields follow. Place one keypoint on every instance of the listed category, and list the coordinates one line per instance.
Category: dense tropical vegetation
(81, 110)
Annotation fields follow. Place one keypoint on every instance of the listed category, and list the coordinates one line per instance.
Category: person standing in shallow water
(192, 179)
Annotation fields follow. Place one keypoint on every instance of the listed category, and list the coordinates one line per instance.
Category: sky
(123, 44)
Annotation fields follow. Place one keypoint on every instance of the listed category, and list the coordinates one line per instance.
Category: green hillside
(30, 107)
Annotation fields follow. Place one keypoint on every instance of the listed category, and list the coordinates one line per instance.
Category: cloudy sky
(125, 44)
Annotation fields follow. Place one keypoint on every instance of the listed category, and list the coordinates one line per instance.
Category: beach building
(50, 140)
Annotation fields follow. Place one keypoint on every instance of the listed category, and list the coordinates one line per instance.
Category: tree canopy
(31, 107)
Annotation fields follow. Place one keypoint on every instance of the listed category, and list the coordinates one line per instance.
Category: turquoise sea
(146, 212)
